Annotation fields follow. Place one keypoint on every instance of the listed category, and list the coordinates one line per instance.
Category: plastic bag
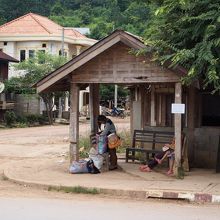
(79, 167)
(102, 144)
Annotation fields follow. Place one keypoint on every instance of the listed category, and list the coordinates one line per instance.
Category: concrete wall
(27, 104)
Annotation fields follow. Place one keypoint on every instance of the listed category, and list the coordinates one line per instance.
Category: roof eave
(88, 54)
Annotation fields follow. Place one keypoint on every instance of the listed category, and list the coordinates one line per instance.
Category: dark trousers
(113, 157)
(153, 163)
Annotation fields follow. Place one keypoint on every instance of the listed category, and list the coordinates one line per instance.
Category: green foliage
(107, 92)
(187, 34)
(12, 120)
(35, 68)
(9, 118)
(101, 16)
(14, 9)
(35, 118)
(74, 189)
(84, 146)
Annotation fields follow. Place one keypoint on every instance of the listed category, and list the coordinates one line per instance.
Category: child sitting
(168, 151)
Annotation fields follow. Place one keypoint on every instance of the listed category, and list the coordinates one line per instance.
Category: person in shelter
(109, 128)
(168, 151)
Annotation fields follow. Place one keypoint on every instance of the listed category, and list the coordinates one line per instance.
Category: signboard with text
(178, 108)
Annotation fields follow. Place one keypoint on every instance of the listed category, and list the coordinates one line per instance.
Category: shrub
(9, 118)
(35, 118)
(84, 146)
(21, 119)
(31, 119)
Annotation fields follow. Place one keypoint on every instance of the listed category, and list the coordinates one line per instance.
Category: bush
(34, 118)
(31, 119)
(21, 119)
(84, 146)
(9, 118)
(12, 120)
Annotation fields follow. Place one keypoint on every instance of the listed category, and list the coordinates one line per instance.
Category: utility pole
(62, 46)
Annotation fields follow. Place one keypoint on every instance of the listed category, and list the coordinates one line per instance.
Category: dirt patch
(38, 142)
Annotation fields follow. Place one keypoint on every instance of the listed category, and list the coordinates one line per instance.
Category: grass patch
(74, 189)
(126, 140)
(84, 144)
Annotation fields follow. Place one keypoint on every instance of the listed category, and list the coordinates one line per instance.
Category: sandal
(169, 172)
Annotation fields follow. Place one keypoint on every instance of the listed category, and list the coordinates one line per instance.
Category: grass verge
(74, 189)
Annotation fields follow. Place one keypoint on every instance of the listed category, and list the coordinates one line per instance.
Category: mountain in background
(101, 16)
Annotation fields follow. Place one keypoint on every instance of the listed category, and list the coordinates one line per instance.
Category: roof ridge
(75, 32)
(48, 19)
(32, 15)
(16, 19)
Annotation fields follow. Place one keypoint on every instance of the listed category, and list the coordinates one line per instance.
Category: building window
(22, 55)
(31, 54)
(64, 53)
(44, 45)
(5, 43)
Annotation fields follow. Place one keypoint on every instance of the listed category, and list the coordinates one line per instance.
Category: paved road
(21, 202)
(88, 208)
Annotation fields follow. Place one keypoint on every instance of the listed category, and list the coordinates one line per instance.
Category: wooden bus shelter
(110, 61)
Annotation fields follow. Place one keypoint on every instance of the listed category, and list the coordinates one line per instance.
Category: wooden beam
(94, 107)
(152, 112)
(178, 126)
(142, 95)
(191, 122)
(163, 113)
(74, 122)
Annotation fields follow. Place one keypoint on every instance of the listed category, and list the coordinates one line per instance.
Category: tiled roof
(6, 57)
(36, 25)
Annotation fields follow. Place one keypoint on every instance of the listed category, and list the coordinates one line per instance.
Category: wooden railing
(4, 105)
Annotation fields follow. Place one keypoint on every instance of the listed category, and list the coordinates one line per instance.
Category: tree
(107, 93)
(35, 68)
(57, 9)
(187, 33)
(14, 9)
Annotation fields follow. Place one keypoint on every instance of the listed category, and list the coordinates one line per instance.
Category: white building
(23, 37)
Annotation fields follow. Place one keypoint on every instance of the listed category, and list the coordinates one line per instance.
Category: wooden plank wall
(118, 65)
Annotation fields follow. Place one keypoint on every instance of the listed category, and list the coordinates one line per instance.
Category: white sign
(178, 108)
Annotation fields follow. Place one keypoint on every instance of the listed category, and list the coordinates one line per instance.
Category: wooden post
(142, 96)
(191, 122)
(74, 122)
(94, 107)
(152, 112)
(66, 102)
(60, 109)
(178, 126)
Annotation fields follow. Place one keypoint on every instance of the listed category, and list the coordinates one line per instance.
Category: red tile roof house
(22, 37)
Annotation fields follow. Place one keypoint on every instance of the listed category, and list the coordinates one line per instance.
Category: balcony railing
(5, 105)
